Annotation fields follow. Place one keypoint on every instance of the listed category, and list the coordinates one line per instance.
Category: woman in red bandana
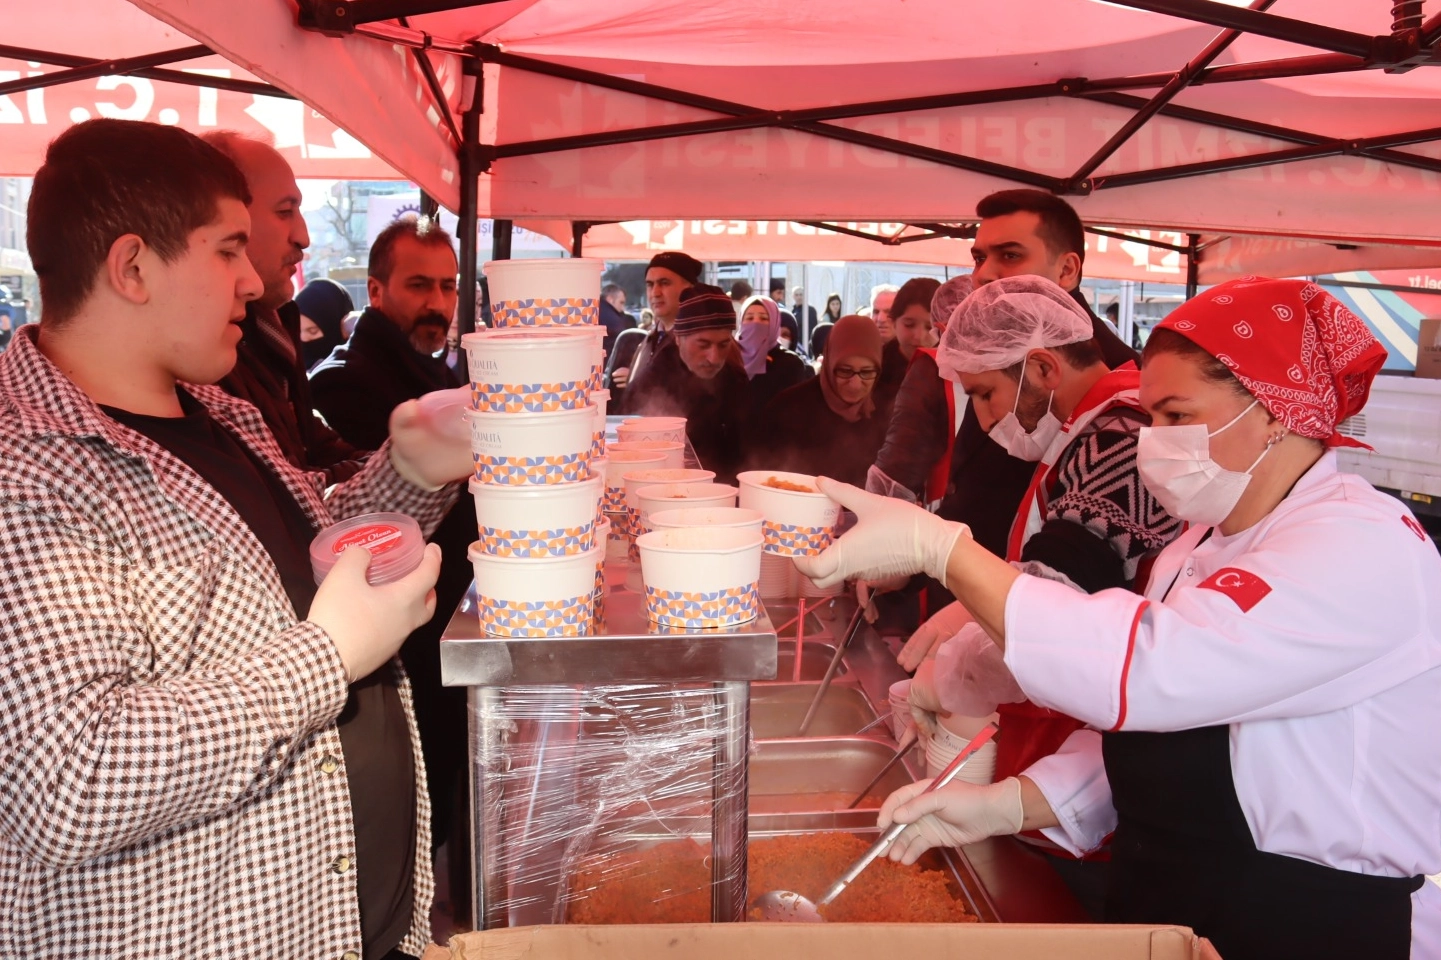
(1270, 762)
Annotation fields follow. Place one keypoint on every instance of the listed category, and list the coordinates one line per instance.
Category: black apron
(1183, 854)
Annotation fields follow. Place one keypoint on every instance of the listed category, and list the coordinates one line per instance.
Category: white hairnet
(946, 298)
(1000, 323)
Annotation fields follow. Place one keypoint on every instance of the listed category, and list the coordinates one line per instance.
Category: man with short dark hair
(700, 378)
(669, 275)
(208, 752)
(270, 371)
(613, 315)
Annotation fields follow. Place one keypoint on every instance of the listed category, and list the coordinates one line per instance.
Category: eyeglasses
(846, 373)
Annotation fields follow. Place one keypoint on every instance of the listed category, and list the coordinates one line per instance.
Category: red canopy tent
(1313, 120)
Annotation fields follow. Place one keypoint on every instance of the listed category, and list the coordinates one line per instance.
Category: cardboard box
(1428, 349)
(837, 941)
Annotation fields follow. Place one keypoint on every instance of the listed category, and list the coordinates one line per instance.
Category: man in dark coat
(411, 283)
(698, 376)
(612, 314)
(269, 369)
(669, 275)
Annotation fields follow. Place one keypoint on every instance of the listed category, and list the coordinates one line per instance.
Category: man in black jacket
(269, 369)
(412, 282)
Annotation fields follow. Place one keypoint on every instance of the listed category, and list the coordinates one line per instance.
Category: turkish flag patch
(1245, 588)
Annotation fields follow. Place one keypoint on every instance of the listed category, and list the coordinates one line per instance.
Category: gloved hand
(969, 675)
(955, 815)
(890, 539)
(368, 624)
(868, 590)
(925, 702)
(423, 453)
(946, 623)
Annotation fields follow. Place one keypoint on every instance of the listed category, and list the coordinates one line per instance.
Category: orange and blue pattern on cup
(536, 618)
(567, 468)
(560, 542)
(529, 397)
(714, 608)
(793, 540)
(546, 312)
(613, 502)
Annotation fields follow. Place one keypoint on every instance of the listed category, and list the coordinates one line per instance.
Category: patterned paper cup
(536, 520)
(602, 535)
(651, 428)
(600, 399)
(699, 577)
(673, 452)
(634, 479)
(563, 292)
(617, 464)
(528, 371)
(534, 597)
(668, 496)
(522, 448)
(799, 522)
(707, 517)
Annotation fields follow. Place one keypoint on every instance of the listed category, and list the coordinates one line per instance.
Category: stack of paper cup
(668, 496)
(634, 480)
(674, 453)
(799, 520)
(534, 408)
(707, 517)
(951, 736)
(537, 293)
(699, 577)
(651, 428)
(617, 464)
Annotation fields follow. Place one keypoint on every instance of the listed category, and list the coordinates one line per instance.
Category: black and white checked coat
(171, 778)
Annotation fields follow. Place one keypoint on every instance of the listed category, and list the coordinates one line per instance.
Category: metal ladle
(789, 906)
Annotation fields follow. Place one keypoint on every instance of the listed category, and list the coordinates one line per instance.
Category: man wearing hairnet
(1024, 353)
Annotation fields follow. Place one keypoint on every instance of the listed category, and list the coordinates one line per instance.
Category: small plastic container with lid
(394, 540)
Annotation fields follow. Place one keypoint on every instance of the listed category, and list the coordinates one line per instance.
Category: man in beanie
(698, 376)
(670, 274)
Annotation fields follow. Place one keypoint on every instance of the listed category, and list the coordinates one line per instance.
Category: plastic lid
(393, 539)
(446, 409)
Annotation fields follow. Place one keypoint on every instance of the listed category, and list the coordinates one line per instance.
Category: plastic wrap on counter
(600, 800)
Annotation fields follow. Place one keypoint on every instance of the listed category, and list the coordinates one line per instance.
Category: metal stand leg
(729, 807)
(486, 883)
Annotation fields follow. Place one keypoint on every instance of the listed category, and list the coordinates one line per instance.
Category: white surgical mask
(1032, 446)
(1176, 466)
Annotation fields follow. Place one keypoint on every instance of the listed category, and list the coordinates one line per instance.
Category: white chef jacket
(1315, 634)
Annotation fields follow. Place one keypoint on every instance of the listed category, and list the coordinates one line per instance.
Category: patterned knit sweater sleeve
(1101, 522)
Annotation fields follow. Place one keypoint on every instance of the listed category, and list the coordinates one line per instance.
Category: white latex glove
(946, 623)
(368, 624)
(969, 675)
(890, 539)
(955, 815)
(423, 453)
(868, 590)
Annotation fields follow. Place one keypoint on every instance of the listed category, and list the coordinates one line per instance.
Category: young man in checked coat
(201, 752)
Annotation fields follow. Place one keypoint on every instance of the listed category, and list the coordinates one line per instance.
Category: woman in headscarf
(770, 367)
(1269, 765)
(323, 305)
(827, 425)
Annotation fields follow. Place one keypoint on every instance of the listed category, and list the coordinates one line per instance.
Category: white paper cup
(778, 576)
(899, 698)
(951, 736)
(617, 464)
(563, 292)
(522, 448)
(652, 428)
(602, 534)
(634, 479)
(707, 517)
(600, 399)
(696, 577)
(668, 496)
(806, 587)
(673, 452)
(528, 371)
(798, 523)
(536, 520)
(534, 597)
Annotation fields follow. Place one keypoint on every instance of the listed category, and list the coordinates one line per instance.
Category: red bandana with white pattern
(1297, 349)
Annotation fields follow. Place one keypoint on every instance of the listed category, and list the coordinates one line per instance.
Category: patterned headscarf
(1297, 349)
